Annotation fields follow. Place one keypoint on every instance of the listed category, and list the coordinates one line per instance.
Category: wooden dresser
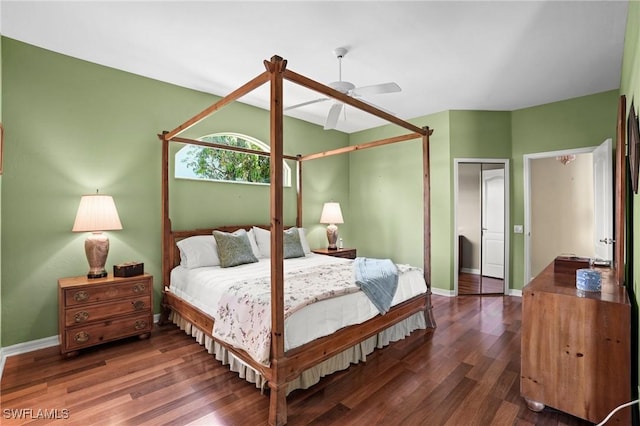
(94, 311)
(576, 351)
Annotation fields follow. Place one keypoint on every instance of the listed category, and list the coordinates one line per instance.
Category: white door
(603, 201)
(493, 223)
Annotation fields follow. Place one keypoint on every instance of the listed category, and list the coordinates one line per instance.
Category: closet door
(493, 223)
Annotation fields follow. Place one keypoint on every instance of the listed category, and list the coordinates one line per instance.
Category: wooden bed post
(166, 227)
(299, 190)
(278, 384)
(428, 313)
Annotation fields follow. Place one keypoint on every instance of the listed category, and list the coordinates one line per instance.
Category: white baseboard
(452, 293)
(442, 292)
(23, 348)
(34, 345)
(470, 271)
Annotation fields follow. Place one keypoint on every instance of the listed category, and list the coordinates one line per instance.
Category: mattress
(205, 287)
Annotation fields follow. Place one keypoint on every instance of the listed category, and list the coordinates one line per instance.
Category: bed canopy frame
(287, 365)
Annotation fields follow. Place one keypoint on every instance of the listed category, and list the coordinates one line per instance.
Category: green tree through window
(198, 162)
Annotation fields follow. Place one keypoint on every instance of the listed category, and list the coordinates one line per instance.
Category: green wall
(630, 87)
(480, 134)
(386, 194)
(73, 127)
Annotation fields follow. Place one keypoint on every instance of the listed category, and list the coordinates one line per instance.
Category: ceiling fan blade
(376, 89)
(332, 117)
(306, 103)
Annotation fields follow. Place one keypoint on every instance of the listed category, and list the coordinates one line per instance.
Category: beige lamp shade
(96, 213)
(331, 213)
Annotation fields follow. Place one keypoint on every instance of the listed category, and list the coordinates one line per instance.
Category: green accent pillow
(234, 249)
(292, 245)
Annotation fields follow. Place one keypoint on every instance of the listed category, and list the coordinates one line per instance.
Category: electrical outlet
(518, 229)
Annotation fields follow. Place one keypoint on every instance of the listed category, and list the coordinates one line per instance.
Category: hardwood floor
(470, 284)
(466, 372)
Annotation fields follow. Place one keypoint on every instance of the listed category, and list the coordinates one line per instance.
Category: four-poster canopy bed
(285, 368)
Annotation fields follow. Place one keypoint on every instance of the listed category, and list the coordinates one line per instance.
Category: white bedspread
(204, 288)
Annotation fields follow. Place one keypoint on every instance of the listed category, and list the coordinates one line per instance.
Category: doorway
(481, 204)
(568, 206)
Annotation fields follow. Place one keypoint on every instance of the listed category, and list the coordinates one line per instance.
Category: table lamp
(96, 213)
(331, 214)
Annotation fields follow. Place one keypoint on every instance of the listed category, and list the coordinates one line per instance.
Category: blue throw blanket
(378, 279)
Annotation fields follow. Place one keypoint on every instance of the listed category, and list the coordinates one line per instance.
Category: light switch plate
(518, 229)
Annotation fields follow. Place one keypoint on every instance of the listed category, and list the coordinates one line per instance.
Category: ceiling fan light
(342, 86)
(339, 52)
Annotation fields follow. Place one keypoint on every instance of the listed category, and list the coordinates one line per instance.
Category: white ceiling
(473, 55)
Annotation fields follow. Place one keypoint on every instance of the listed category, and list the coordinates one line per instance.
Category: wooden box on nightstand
(95, 311)
(347, 253)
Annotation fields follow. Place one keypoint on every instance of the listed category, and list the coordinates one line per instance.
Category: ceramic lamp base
(332, 237)
(96, 247)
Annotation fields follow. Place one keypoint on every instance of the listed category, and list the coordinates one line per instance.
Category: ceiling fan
(349, 89)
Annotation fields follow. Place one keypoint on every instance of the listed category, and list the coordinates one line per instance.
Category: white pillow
(198, 251)
(263, 240)
(254, 245)
(303, 241)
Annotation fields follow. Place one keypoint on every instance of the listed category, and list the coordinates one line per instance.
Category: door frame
(507, 203)
(527, 158)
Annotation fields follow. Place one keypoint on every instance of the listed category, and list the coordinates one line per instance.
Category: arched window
(222, 165)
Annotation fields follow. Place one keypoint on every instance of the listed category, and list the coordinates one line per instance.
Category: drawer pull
(81, 316)
(140, 324)
(138, 305)
(80, 296)
(139, 287)
(81, 337)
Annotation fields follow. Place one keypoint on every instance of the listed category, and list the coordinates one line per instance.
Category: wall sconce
(97, 213)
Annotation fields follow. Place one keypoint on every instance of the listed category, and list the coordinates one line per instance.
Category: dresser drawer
(105, 331)
(83, 314)
(105, 292)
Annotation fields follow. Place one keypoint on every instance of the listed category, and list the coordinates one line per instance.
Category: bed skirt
(311, 376)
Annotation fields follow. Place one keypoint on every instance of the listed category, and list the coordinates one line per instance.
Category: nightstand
(95, 311)
(347, 253)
